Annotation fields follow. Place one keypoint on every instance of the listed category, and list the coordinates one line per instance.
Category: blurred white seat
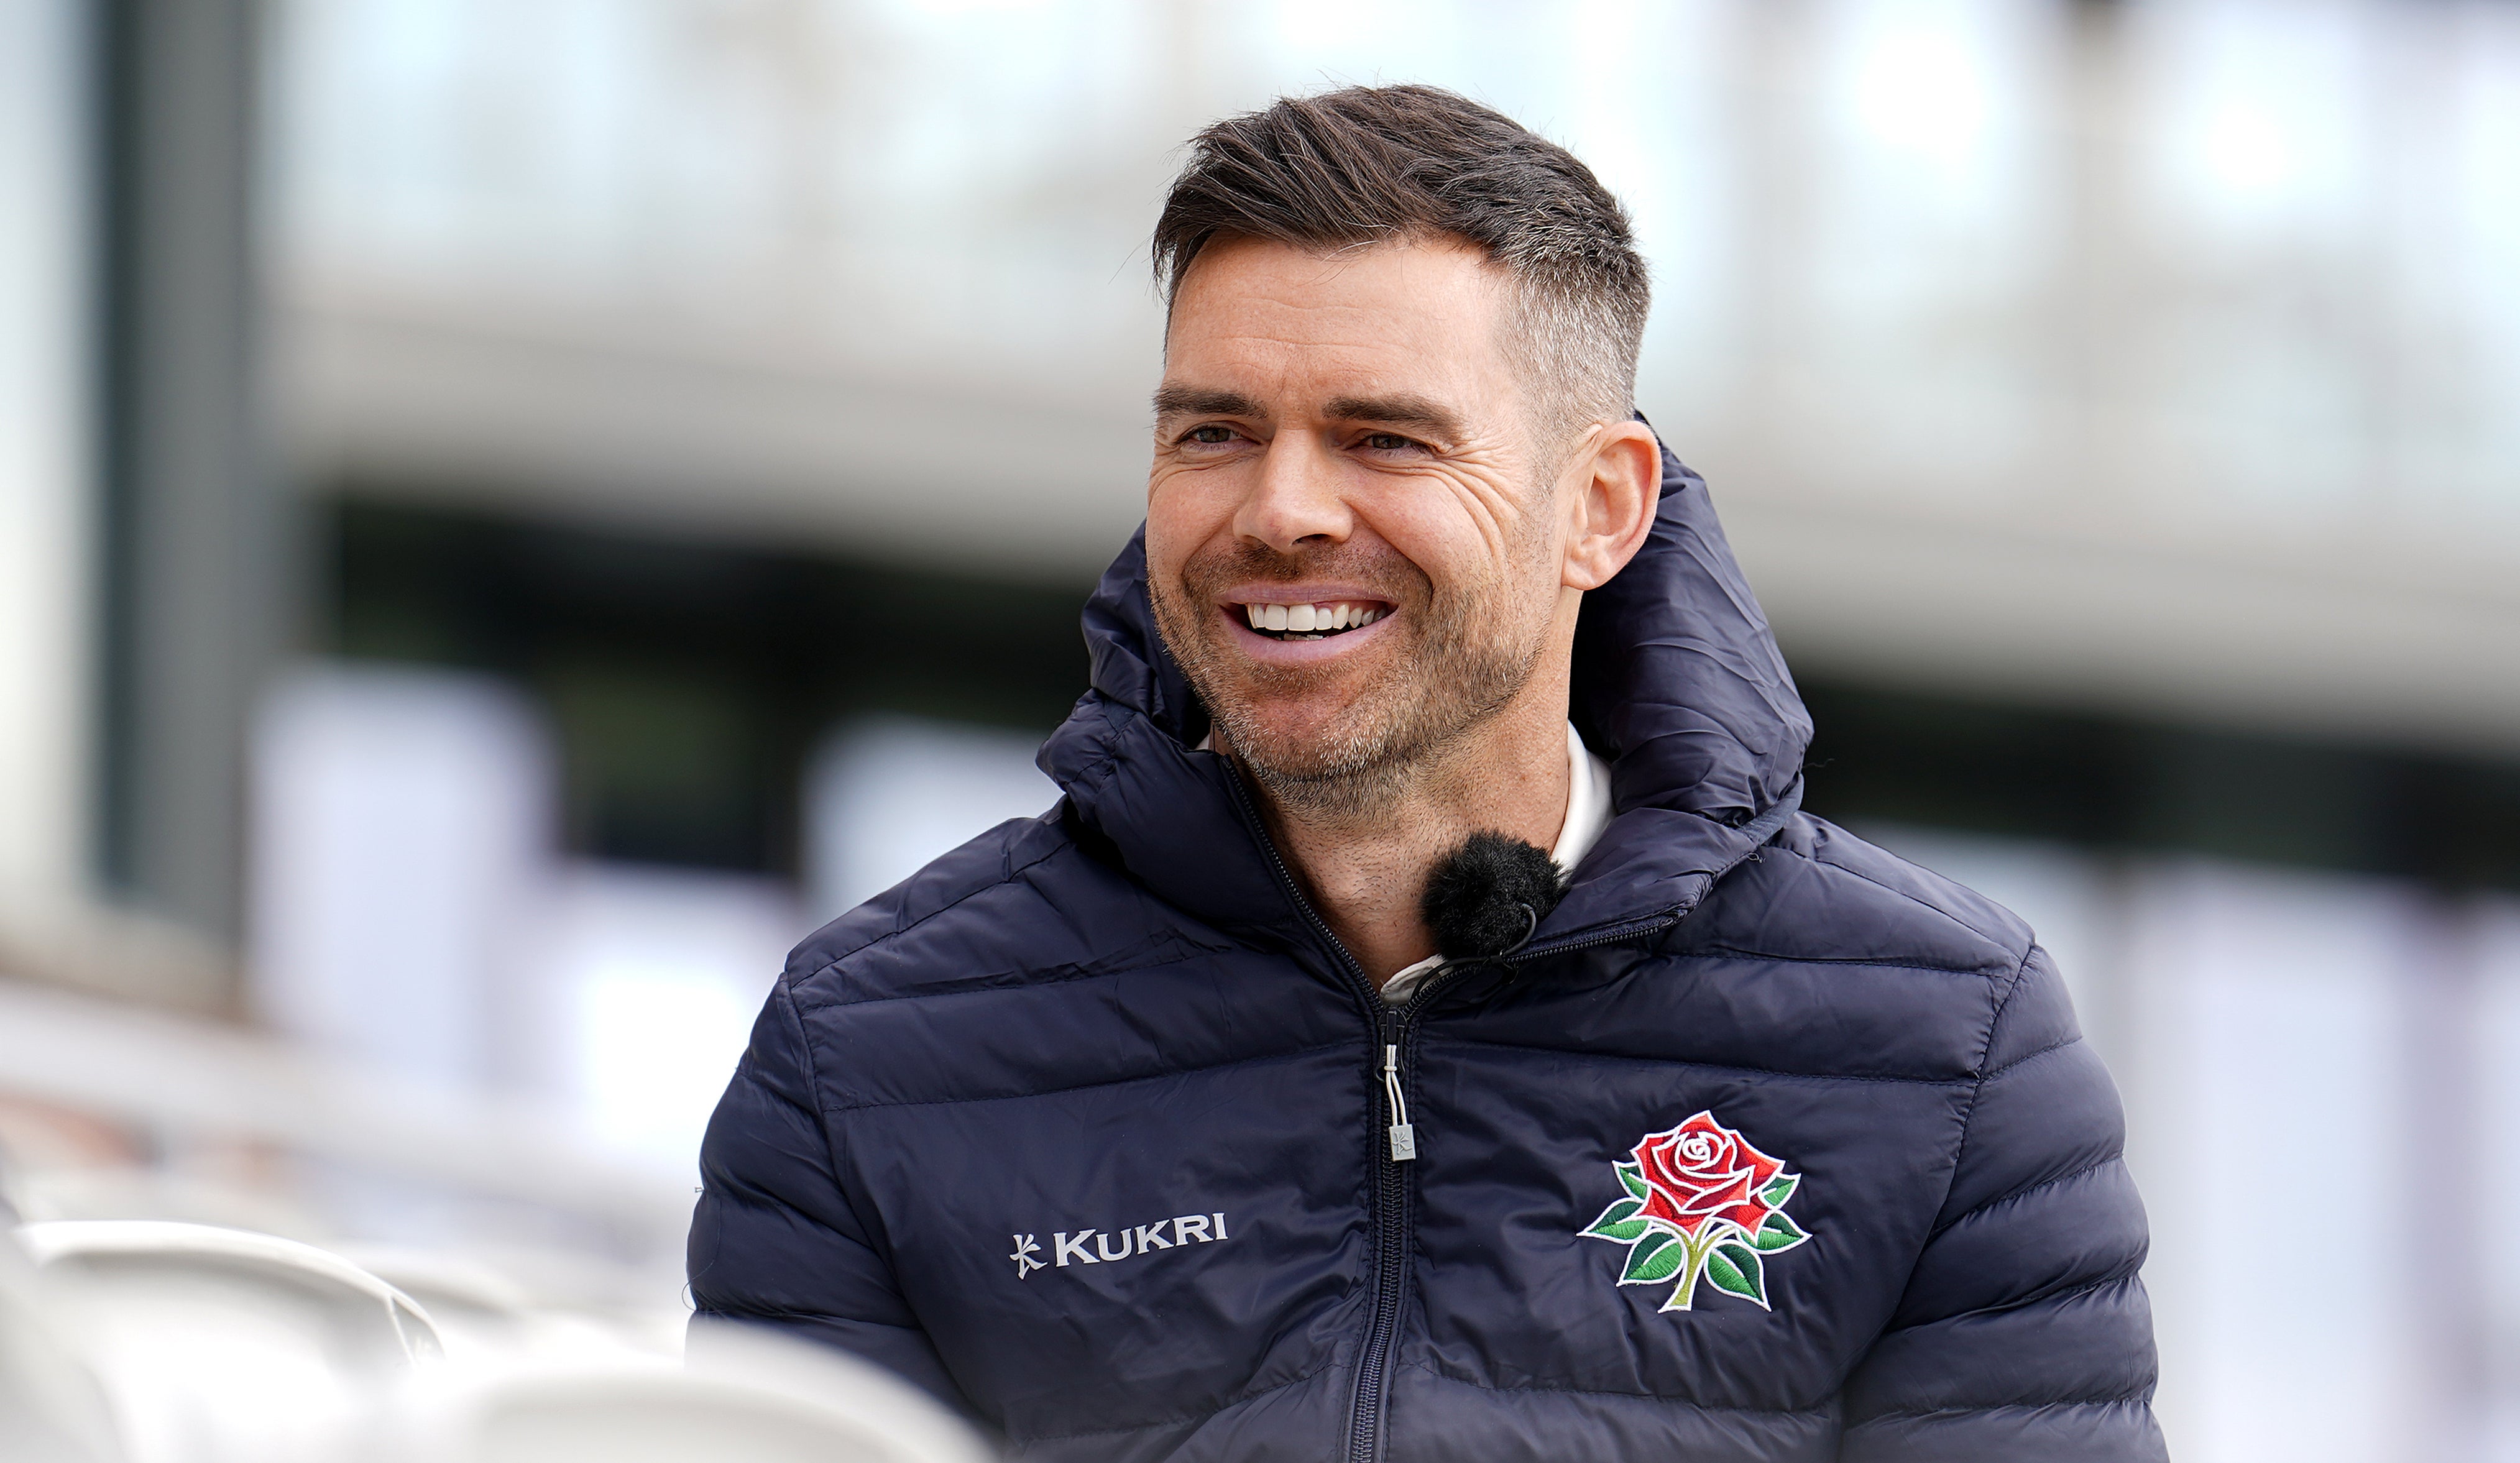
(483, 1311)
(470, 1305)
(741, 1398)
(221, 1346)
(51, 1409)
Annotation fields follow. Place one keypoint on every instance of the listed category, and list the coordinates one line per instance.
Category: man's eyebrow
(1202, 401)
(1404, 409)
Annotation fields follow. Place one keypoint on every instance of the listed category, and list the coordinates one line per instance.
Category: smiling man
(1367, 547)
(1426, 1029)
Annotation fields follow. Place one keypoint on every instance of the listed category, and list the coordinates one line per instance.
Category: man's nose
(1297, 498)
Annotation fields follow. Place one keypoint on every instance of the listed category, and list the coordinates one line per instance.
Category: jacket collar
(1676, 682)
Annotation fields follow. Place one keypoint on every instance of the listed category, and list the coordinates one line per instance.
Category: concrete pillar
(194, 557)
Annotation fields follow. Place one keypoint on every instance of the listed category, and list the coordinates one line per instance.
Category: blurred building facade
(517, 511)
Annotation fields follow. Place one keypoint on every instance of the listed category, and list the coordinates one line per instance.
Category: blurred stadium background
(513, 511)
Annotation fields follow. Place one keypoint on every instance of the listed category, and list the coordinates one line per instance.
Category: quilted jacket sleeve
(2024, 1331)
(774, 1240)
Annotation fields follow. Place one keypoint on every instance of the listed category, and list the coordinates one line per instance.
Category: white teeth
(1312, 619)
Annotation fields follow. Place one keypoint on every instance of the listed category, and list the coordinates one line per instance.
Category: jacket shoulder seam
(1858, 961)
(1006, 877)
(2023, 1192)
(1853, 872)
(814, 1087)
(1995, 1024)
(1968, 1114)
(2121, 1273)
(2050, 1050)
(1034, 979)
(1918, 1414)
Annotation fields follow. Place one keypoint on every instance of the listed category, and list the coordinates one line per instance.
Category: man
(1154, 1127)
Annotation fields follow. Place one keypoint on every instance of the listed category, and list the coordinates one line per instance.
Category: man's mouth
(1311, 622)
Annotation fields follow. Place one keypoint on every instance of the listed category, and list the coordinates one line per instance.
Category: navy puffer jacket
(1772, 1147)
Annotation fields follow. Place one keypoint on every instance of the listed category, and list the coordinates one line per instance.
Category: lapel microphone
(1484, 899)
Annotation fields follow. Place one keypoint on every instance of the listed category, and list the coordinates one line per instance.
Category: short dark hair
(1369, 164)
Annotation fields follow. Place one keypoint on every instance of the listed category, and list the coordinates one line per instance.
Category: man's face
(1351, 542)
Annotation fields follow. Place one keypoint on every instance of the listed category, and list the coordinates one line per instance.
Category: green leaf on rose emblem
(1776, 1234)
(1658, 1258)
(1619, 1222)
(1735, 1269)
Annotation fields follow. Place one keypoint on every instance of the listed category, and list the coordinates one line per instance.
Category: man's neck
(1364, 874)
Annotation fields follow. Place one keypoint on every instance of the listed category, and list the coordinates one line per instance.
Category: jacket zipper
(1388, 1032)
(1391, 1183)
(1384, 1033)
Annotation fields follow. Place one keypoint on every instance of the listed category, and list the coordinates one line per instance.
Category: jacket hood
(1676, 682)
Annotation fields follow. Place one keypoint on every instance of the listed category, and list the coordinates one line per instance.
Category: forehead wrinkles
(1323, 366)
(1410, 299)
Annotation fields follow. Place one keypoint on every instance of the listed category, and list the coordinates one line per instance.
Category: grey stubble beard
(1466, 664)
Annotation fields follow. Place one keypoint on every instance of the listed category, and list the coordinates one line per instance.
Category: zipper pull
(1404, 1138)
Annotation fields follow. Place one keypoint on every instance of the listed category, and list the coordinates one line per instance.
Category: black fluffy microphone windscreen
(1486, 897)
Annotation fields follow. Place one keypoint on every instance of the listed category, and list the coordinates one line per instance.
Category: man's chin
(1298, 742)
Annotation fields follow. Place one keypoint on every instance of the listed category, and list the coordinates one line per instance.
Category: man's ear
(1612, 488)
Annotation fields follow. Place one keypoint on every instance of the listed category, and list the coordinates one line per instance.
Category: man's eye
(1388, 442)
(1209, 436)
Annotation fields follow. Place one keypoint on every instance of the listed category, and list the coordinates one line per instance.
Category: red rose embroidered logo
(1702, 1204)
